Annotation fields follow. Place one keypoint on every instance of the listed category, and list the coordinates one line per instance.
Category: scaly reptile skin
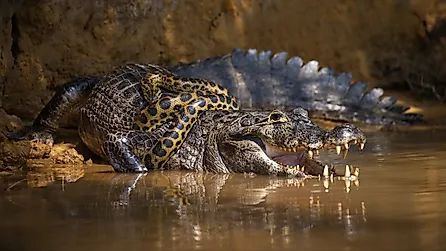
(266, 142)
(261, 80)
(112, 103)
(261, 142)
(186, 99)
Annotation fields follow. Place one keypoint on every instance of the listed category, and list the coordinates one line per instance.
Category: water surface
(398, 205)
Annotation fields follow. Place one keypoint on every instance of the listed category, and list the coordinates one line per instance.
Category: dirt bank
(44, 43)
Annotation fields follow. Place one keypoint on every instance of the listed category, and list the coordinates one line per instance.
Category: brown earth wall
(389, 43)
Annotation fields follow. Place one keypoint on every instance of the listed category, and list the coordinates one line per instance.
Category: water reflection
(398, 205)
(182, 208)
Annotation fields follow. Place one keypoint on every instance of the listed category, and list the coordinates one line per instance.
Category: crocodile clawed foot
(296, 172)
(33, 134)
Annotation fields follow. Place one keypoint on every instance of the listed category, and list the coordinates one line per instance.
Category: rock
(14, 153)
(39, 150)
(89, 162)
(8, 123)
(65, 154)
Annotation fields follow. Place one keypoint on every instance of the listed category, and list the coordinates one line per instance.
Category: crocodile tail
(261, 80)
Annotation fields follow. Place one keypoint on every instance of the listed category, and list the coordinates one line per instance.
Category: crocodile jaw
(283, 156)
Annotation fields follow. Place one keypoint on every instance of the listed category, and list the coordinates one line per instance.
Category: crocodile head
(270, 142)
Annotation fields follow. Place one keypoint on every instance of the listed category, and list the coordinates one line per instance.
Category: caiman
(141, 116)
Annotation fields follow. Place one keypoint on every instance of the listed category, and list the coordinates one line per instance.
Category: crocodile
(264, 137)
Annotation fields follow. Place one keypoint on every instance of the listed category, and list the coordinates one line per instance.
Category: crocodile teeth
(355, 142)
(347, 185)
(347, 171)
(338, 150)
(317, 152)
(356, 172)
(346, 146)
(361, 146)
(303, 169)
(284, 148)
(326, 185)
(289, 166)
(310, 153)
(326, 173)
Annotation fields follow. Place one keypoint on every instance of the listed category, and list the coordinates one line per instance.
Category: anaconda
(274, 142)
(178, 101)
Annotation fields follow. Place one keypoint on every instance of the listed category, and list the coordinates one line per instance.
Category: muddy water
(399, 204)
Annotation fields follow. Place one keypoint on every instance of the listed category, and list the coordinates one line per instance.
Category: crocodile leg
(70, 96)
(120, 148)
(125, 150)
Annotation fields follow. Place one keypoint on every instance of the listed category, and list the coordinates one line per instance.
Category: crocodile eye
(277, 116)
